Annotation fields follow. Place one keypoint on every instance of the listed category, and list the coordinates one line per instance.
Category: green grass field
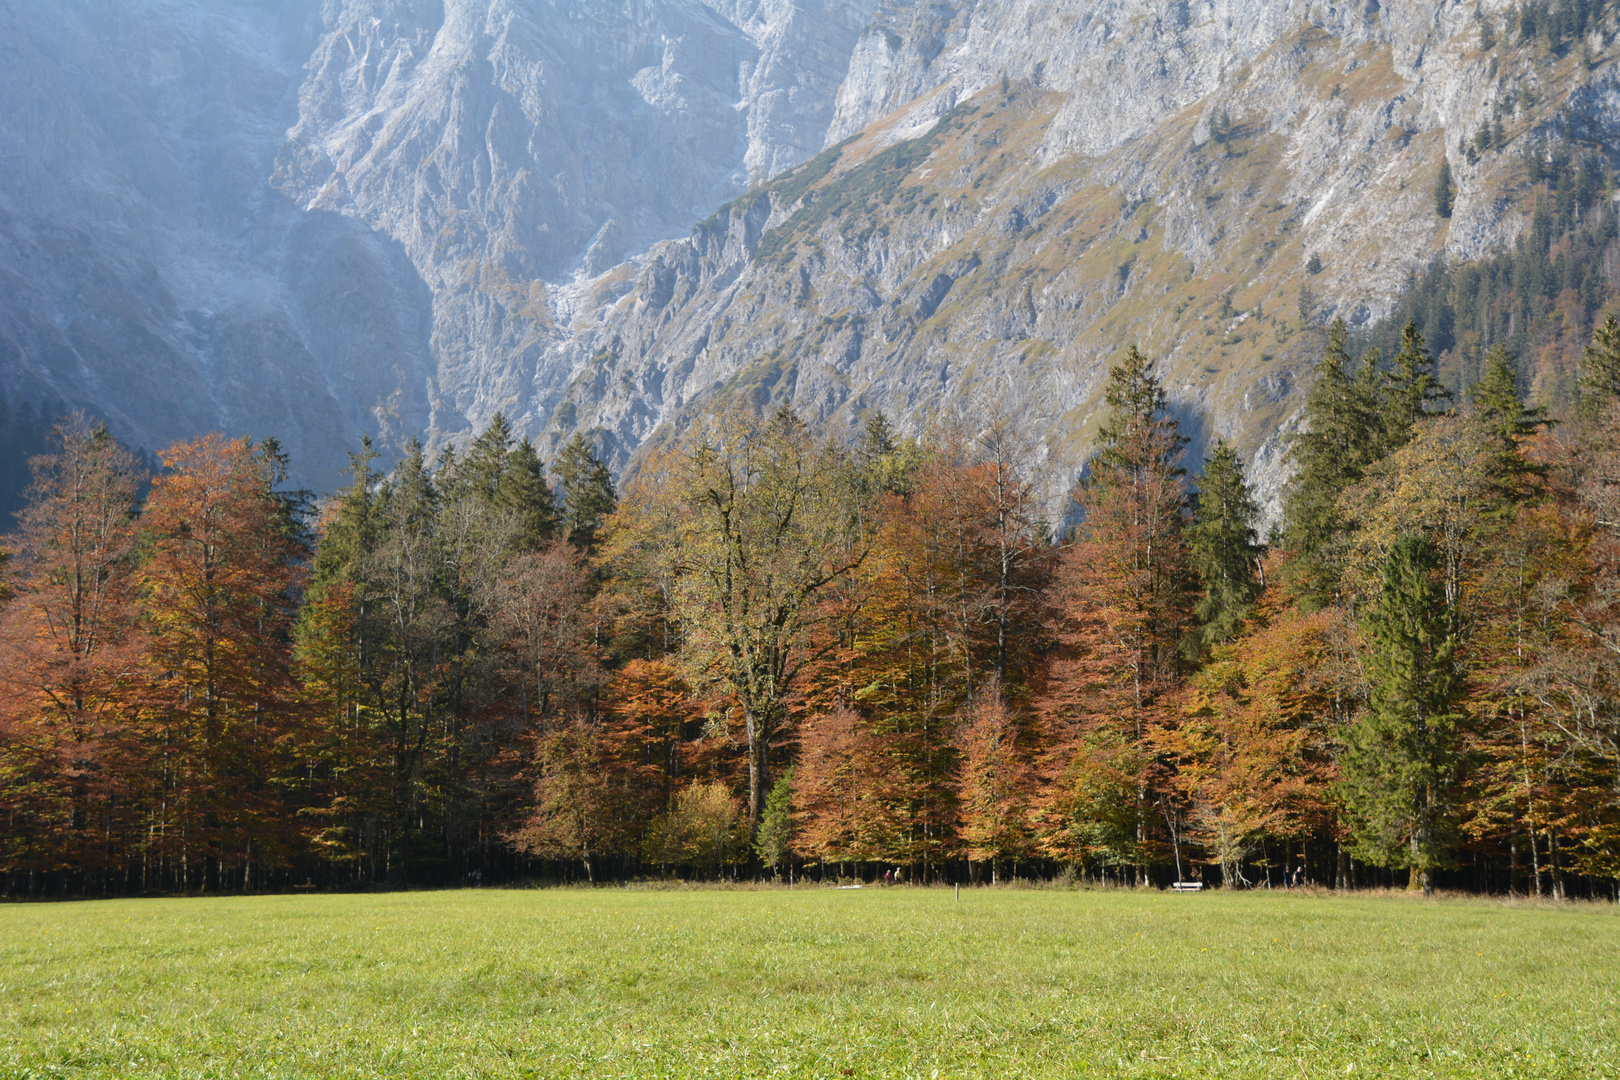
(820, 982)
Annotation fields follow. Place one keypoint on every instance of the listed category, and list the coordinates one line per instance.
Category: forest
(773, 657)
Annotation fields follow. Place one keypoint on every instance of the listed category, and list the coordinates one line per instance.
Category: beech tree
(996, 783)
(68, 657)
(586, 799)
(1124, 591)
(1253, 752)
(218, 592)
(706, 829)
(847, 798)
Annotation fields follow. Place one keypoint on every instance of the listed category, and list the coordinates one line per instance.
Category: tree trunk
(756, 769)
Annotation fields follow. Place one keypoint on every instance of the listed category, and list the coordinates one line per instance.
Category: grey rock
(312, 218)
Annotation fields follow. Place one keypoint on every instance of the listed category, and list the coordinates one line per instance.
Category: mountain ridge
(403, 216)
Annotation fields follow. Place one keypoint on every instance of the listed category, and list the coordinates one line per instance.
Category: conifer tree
(1600, 370)
(523, 490)
(348, 525)
(1411, 390)
(588, 496)
(1401, 754)
(886, 463)
(1223, 546)
(1341, 438)
(774, 843)
(1496, 404)
(1496, 400)
(1443, 189)
(480, 473)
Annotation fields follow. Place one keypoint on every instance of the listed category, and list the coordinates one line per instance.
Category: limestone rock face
(1030, 185)
(309, 218)
(313, 218)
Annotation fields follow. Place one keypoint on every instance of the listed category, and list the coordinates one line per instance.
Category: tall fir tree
(1340, 439)
(1224, 547)
(482, 471)
(1600, 371)
(588, 496)
(774, 841)
(348, 523)
(523, 490)
(1401, 754)
(1496, 403)
(1411, 390)
(1444, 189)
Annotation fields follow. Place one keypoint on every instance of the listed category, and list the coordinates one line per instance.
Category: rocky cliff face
(1030, 186)
(312, 218)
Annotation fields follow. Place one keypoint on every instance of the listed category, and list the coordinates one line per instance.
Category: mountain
(309, 219)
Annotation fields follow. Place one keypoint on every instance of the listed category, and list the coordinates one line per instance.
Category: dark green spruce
(1224, 547)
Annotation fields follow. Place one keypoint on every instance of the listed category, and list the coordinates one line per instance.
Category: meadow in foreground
(818, 982)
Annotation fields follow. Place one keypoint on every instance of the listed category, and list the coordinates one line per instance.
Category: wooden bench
(1188, 886)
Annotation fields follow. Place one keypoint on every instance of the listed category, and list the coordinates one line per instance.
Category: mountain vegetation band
(773, 655)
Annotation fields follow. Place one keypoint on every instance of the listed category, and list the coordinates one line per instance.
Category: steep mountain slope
(1053, 181)
(310, 218)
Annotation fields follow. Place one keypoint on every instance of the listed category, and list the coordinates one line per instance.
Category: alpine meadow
(915, 538)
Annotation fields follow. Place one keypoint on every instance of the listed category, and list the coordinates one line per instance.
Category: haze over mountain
(311, 219)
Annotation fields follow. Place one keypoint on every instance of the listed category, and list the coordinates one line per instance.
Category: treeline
(1538, 299)
(771, 655)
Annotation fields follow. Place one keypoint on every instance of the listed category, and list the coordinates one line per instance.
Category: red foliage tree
(67, 650)
(1124, 591)
(846, 791)
(996, 782)
(219, 708)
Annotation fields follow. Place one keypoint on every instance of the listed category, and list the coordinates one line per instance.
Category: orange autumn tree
(1252, 754)
(1125, 600)
(218, 591)
(995, 783)
(748, 527)
(67, 648)
(650, 711)
(847, 794)
(948, 599)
